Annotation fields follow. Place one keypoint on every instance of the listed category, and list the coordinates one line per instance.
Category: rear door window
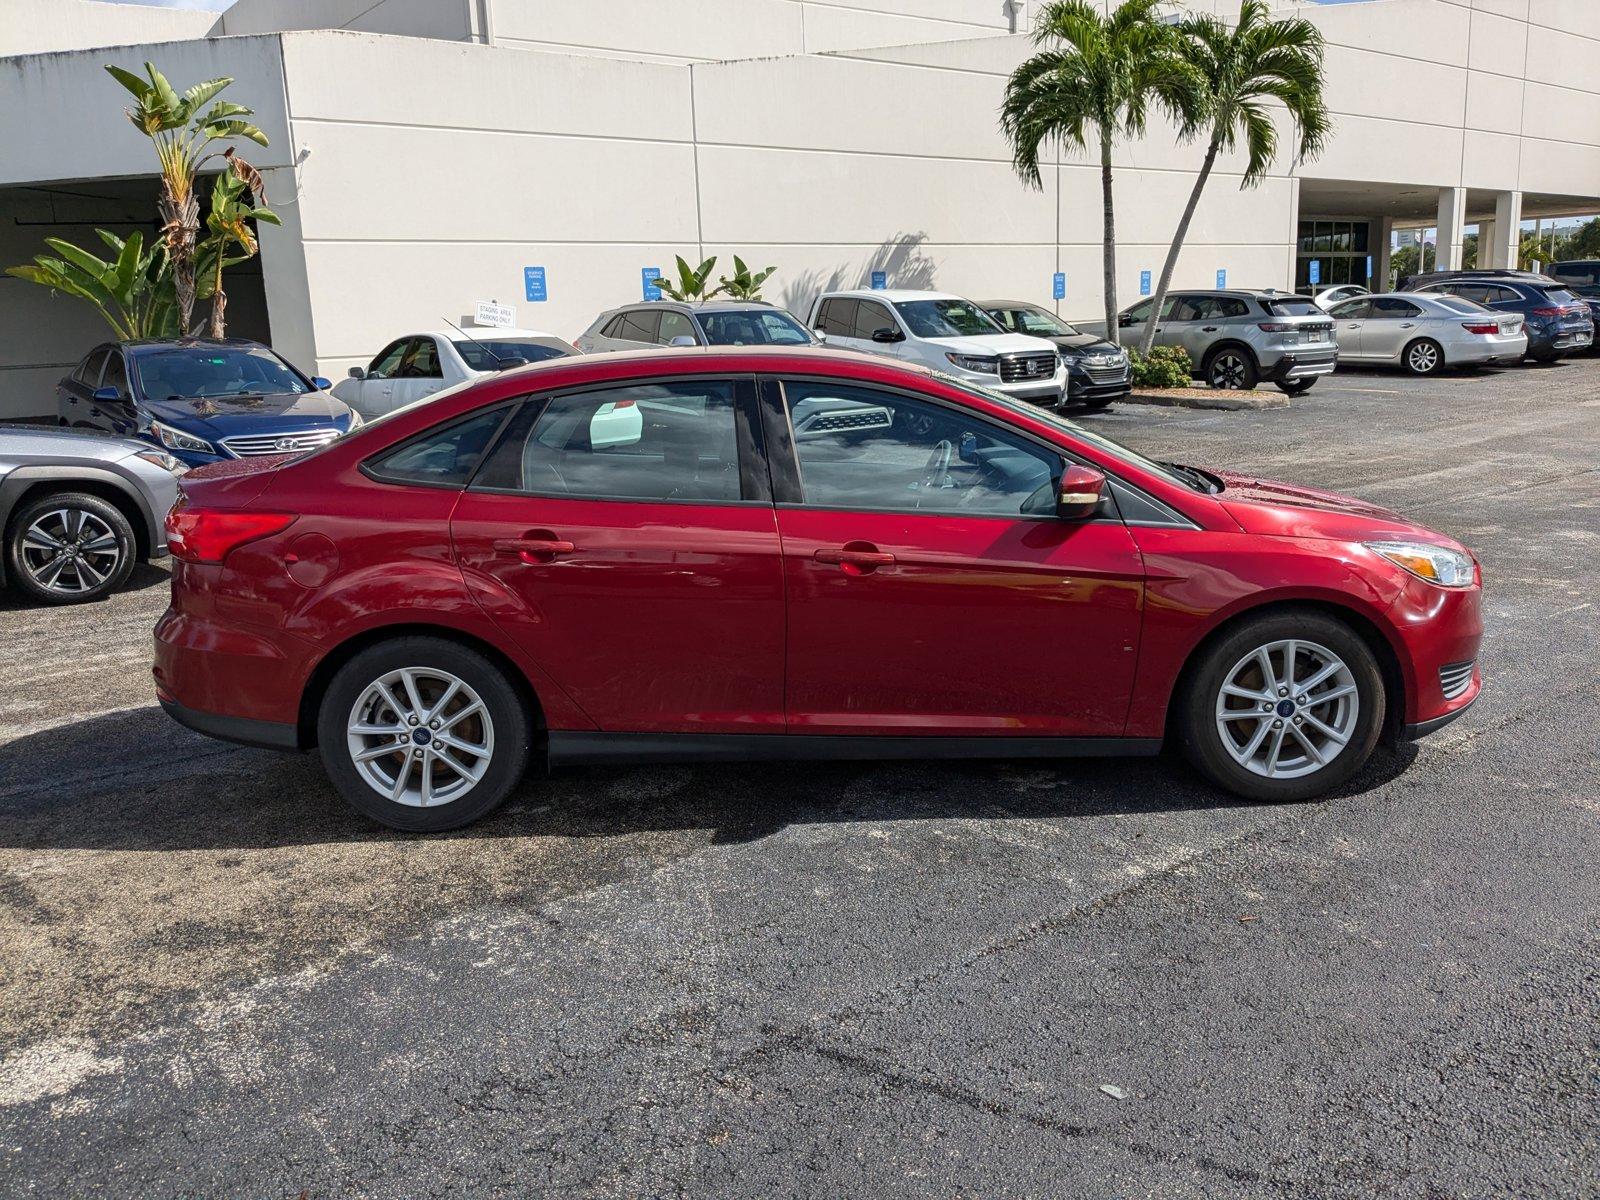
(638, 325)
(837, 318)
(1392, 308)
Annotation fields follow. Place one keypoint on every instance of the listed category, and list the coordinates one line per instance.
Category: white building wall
(41, 26)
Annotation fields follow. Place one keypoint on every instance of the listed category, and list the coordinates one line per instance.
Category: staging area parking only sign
(494, 315)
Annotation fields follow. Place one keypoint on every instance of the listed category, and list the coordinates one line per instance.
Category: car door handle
(857, 558)
(535, 549)
(1209, 328)
(1407, 325)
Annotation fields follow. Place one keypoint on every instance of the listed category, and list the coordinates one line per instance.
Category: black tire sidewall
(1298, 388)
(513, 725)
(1197, 720)
(127, 546)
(1252, 375)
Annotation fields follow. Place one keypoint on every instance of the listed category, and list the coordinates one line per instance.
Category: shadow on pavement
(135, 780)
(144, 576)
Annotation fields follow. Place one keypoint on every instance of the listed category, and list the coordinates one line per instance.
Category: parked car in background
(1098, 371)
(693, 323)
(1237, 339)
(419, 364)
(79, 509)
(202, 401)
(970, 579)
(1581, 277)
(1425, 332)
(1557, 322)
(1326, 298)
(945, 332)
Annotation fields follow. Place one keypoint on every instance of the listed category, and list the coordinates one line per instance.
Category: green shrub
(1164, 367)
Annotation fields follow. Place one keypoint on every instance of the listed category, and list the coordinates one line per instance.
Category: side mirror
(357, 373)
(320, 383)
(1125, 320)
(887, 335)
(108, 395)
(1079, 492)
(819, 335)
(683, 339)
(507, 363)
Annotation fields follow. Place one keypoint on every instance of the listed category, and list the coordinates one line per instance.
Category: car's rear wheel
(69, 548)
(1233, 369)
(423, 734)
(1424, 357)
(1284, 707)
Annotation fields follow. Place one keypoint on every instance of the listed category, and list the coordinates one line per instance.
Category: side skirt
(573, 748)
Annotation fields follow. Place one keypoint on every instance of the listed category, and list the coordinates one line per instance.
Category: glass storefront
(1341, 249)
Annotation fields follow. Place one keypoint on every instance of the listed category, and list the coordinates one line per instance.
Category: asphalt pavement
(1095, 978)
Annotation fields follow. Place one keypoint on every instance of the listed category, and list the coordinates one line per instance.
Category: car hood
(1081, 345)
(992, 343)
(226, 416)
(22, 443)
(1290, 510)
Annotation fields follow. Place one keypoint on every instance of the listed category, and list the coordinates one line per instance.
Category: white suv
(944, 332)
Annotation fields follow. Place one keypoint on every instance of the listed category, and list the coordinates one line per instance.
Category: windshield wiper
(1209, 484)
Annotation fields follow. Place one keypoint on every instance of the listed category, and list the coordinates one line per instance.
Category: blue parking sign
(1058, 285)
(880, 280)
(651, 291)
(1316, 270)
(1144, 283)
(1222, 279)
(533, 284)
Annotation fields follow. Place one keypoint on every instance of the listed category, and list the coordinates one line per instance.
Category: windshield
(186, 373)
(484, 354)
(752, 327)
(945, 318)
(1184, 477)
(1042, 324)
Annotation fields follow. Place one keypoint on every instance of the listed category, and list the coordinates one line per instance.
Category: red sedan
(767, 554)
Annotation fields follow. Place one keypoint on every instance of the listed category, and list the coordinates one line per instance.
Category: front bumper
(1439, 631)
(1301, 364)
(1082, 387)
(1046, 392)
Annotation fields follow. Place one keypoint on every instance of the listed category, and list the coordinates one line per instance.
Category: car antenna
(500, 363)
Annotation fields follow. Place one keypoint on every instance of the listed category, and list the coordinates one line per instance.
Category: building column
(1451, 228)
(1293, 234)
(1499, 243)
(1383, 230)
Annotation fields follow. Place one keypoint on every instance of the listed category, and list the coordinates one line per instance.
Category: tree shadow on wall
(900, 257)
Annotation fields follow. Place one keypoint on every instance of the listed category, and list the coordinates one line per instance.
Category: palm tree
(1245, 69)
(183, 129)
(1096, 81)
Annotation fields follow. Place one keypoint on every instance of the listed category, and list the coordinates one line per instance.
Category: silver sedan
(1425, 333)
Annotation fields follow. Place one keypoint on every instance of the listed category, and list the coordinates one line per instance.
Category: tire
(69, 548)
(1319, 641)
(1424, 357)
(1296, 387)
(1232, 367)
(503, 731)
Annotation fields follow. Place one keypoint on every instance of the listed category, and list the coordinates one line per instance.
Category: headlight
(174, 439)
(356, 422)
(984, 365)
(1447, 568)
(159, 458)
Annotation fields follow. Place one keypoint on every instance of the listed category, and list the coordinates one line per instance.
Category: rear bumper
(1300, 364)
(268, 735)
(1487, 350)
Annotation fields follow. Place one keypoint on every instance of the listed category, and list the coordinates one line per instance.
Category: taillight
(208, 535)
(1471, 328)
(1549, 312)
(1277, 327)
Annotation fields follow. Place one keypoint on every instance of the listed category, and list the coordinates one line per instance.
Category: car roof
(699, 305)
(891, 294)
(473, 332)
(1010, 304)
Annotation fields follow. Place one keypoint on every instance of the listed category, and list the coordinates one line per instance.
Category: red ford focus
(770, 554)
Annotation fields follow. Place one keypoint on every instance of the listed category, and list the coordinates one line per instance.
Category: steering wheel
(937, 473)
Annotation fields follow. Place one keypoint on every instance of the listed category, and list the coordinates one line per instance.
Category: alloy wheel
(1228, 371)
(1423, 358)
(68, 551)
(420, 736)
(1287, 709)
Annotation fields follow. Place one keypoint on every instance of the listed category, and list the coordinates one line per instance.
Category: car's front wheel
(69, 548)
(1233, 369)
(423, 734)
(1284, 707)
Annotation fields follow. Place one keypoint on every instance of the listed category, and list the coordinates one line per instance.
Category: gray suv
(1238, 339)
(697, 323)
(79, 509)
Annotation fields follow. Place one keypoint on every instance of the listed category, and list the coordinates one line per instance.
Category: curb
(1207, 398)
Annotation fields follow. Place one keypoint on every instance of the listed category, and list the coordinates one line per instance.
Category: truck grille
(256, 444)
(1118, 374)
(1019, 368)
(1455, 679)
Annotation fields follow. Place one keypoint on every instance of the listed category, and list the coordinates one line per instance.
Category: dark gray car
(79, 510)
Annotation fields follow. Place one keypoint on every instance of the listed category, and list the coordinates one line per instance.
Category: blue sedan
(202, 401)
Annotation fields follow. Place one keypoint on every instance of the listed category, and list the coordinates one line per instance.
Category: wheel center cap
(1285, 709)
(421, 737)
